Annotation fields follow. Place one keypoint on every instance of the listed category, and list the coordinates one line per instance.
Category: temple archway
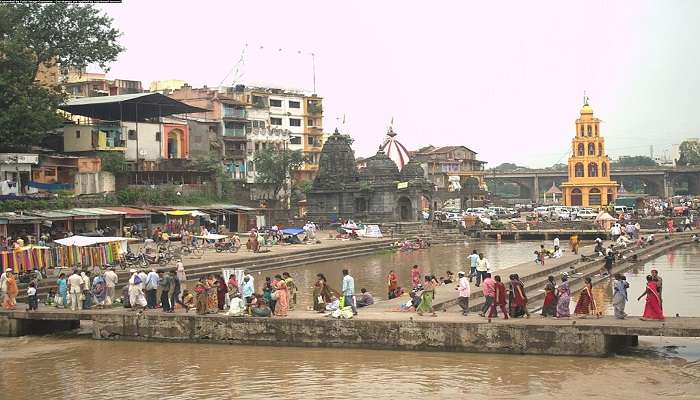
(594, 197)
(405, 209)
(576, 197)
(175, 140)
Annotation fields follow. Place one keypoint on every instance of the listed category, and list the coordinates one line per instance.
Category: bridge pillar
(668, 185)
(535, 194)
(694, 185)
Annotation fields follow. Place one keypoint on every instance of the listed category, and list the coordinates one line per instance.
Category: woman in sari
(620, 286)
(322, 293)
(519, 299)
(62, 285)
(212, 298)
(11, 290)
(282, 297)
(549, 308)
(201, 296)
(426, 301)
(652, 308)
(563, 310)
(586, 304)
(221, 290)
(233, 284)
(393, 283)
(99, 291)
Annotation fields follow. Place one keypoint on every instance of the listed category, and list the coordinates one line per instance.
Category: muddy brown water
(80, 368)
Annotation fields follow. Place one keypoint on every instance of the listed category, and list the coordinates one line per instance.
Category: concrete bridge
(658, 181)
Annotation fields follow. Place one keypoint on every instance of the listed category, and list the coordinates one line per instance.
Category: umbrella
(603, 216)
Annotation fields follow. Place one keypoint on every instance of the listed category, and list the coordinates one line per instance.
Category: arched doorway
(360, 205)
(175, 143)
(594, 197)
(576, 197)
(611, 196)
(405, 209)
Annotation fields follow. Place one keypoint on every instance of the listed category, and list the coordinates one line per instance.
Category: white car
(560, 213)
(586, 214)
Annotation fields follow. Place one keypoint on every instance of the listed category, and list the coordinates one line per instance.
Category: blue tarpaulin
(50, 186)
(292, 231)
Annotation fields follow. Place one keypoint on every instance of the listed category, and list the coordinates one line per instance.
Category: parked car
(586, 214)
(560, 213)
(542, 211)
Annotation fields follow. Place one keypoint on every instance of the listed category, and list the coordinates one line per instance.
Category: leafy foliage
(35, 34)
(113, 161)
(689, 153)
(636, 161)
(274, 167)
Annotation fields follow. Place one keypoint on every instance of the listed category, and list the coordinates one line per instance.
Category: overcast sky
(504, 78)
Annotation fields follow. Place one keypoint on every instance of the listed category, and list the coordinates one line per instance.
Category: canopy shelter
(292, 231)
(81, 241)
(211, 236)
(128, 107)
(180, 213)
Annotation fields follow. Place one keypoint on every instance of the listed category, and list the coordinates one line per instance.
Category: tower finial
(585, 98)
(391, 128)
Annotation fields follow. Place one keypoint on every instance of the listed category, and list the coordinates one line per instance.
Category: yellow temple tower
(589, 183)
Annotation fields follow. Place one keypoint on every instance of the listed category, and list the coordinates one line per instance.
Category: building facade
(589, 183)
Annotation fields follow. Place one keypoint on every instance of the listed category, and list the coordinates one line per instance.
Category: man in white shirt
(111, 279)
(348, 289)
(482, 267)
(75, 288)
(556, 242)
(152, 281)
(464, 293)
(3, 283)
(136, 298)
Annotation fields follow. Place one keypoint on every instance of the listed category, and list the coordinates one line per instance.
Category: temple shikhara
(589, 183)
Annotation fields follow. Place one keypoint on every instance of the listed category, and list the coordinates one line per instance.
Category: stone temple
(377, 193)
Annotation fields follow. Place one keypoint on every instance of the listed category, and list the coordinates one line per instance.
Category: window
(604, 169)
(576, 197)
(594, 197)
(311, 140)
(592, 169)
(589, 131)
(258, 124)
(294, 104)
(310, 122)
(275, 121)
(294, 122)
(596, 130)
(132, 134)
(295, 140)
(257, 146)
(591, 149)
(275, 103)
(581, 149)
(578, 170)
(581, 130)
(157, 136)
(600, 149)
(77, 134)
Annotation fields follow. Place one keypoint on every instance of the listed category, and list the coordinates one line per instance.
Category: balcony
(234, 113)
(235, 154)
(315, 108)
(237, 132)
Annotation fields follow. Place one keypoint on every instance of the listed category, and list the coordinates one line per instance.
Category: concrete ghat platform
(397, 331)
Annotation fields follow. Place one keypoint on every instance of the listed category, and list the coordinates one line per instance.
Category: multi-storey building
(256, 118)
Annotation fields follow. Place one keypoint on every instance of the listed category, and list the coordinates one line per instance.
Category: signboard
(402, 185)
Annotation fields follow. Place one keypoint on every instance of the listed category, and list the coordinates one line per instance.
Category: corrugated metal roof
(130, 210)
(14, 217)
(51, 214)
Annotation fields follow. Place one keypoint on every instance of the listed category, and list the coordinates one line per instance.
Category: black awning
(128, 107)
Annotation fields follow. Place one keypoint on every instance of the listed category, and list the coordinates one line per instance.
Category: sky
(504, 78)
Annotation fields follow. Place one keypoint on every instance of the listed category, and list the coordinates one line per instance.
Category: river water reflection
(371, 271)
(70, 368)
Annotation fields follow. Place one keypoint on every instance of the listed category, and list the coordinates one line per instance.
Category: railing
(234, 132)
(235, 153)
(234, 113)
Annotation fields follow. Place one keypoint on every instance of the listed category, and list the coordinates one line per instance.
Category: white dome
(395, 150)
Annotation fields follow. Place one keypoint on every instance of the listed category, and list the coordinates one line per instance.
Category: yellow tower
(589, 183)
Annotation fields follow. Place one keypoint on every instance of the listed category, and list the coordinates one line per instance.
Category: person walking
(482, 269)
(564, 298)
(9, 301)
(427, 296)
(3, 282)
(87, 292)
(62, 291)
(519, 299)
(111, 279)
(137, 300)
(221, 292)
(165, 282)
(75, 285)
(652, 309)
(181, 275)
(659, 284)
(586, 303)
(32, 301)
(464, 291)
(541, 254)
(499, 298)
(574, 243)
(246, 290)
(473, 262)
(489, 291)
(152, 281)
(348, 289)
(176, 294)
(620, 287)
(549, 307)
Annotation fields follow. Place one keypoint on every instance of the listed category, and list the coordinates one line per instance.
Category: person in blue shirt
(473, 262)
(349, 290)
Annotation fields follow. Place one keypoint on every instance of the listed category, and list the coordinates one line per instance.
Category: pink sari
(652, 308)
(282, 302)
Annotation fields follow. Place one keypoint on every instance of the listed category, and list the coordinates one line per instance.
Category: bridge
(658, 181)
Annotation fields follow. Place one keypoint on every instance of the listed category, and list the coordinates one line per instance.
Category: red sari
(652, 308)
(585, 304)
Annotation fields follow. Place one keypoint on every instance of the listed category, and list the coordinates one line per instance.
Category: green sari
(426, 299)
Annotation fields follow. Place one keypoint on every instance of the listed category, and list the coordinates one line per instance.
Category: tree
(508, 167)
(689, 153)
(636, 161)
(49, 35)
(274, 167)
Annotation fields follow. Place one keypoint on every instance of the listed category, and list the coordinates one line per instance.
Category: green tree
(636, 161)
(274, 168)
(113, 161)
(34, 34)
(689, 153)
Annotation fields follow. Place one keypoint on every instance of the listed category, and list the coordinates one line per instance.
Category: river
(73, 368)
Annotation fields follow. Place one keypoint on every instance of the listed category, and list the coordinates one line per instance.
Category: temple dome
(395, 150)
(381, 166)
(412, 170)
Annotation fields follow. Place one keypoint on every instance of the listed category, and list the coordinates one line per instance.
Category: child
(31, 297)
(50, 297)
(188, 300)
